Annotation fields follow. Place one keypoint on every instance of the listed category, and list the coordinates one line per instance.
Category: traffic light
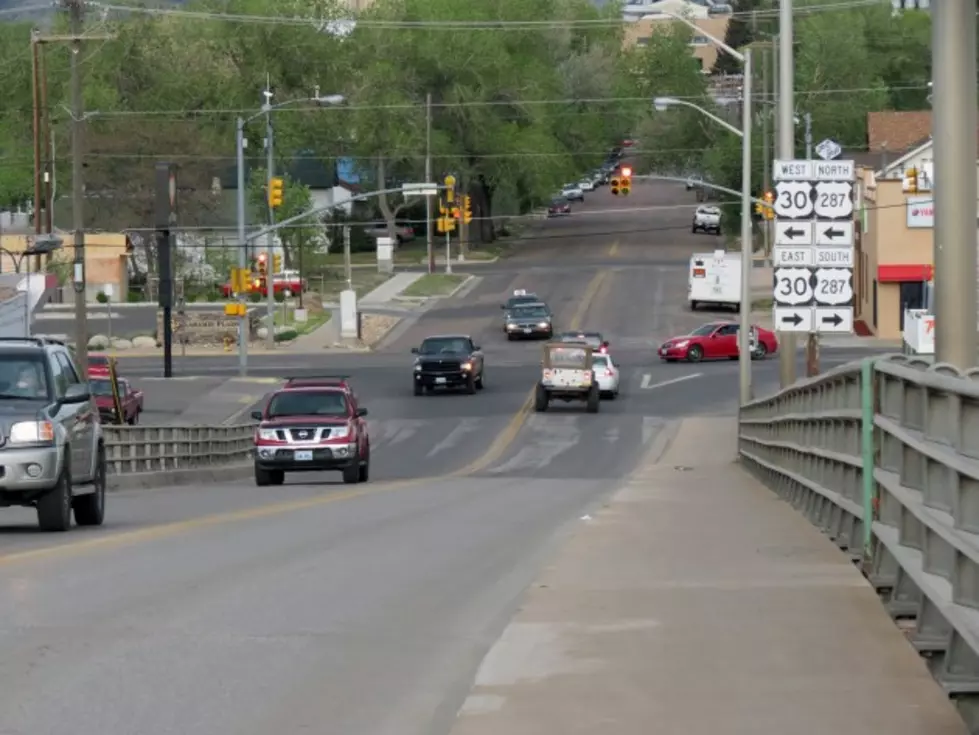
(625, 181)
(277, 263)
(262, 263)
(467, 212)
(446, 221)
(450, 189)
(614, 185)
(765, 208)
(911, 181)
(275, 192)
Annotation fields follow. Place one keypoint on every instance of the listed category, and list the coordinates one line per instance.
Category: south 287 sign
(806, 199)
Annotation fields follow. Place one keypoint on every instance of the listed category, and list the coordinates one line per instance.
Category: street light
(330, 100)
(747, 254)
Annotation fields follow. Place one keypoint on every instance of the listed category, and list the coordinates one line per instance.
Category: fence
(883, 456)
(140, 449)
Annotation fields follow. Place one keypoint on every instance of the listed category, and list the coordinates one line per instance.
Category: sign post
(813, 251)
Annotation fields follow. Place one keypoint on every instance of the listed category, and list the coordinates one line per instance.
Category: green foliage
(16, 139)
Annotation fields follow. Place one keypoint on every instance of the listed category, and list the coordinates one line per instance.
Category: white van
(715, 278)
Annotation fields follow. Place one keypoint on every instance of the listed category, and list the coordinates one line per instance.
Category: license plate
(440, 381)
(526, 330)
(303, 456)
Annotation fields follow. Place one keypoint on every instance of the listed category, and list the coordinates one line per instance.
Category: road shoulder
(698, 601)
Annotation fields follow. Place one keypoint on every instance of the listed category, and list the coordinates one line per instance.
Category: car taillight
(608, 373)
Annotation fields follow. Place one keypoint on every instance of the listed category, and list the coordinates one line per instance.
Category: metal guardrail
(141, 449)
(894, 440)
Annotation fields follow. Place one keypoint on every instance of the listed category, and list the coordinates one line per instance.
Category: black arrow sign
(833, 233)
(836, 320)
(793, 233)
(795, 320)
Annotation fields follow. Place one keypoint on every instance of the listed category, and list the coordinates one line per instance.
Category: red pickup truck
(130, 399)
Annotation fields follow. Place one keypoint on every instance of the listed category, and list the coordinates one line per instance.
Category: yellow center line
(614, 250)
(167, 530)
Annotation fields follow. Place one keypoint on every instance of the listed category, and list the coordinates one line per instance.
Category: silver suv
(52, 455)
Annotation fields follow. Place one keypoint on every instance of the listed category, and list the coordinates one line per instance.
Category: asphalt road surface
(322, 608)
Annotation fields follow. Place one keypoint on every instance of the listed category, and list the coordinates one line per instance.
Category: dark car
(447, 361)
(529, 320)
(559, 207)
(311, 428)
(520, 298)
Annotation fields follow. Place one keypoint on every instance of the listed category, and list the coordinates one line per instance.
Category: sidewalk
(698, 603)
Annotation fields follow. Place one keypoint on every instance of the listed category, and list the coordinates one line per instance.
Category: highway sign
(419, 189)
(793, 199)
(833, 257)
(833, 170)
(833, 286)
(793, 286)
(784, 256)
(833, 200)
(834, 234)
(792, 170)
(788, 319)
(833, 319)
(793, 233)
(828, 150)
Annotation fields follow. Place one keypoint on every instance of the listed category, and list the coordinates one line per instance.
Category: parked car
(130, 401)
(573, 192)
(587, 185)
(559, 207)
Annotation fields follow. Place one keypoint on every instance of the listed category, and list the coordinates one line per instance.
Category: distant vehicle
(595, 340)
(715, 279)
(402, 233)
(706, 219)
(311, 428)
(573, 192)
(607, 375)
(559, 207)
(567, 374)
(520, 297)
(587, 185)
(289, 282)
(448, 361)
(130, 401)
(529, 320)
(53, 456)
(98, 364)
(717, 341)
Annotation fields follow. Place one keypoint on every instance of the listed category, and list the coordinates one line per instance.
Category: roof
(448, 336)
(898, 163)
(896, 130)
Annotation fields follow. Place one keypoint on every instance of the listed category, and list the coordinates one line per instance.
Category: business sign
(920, 212)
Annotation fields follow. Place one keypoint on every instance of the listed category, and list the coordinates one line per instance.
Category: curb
(457, 289)
(179, 478)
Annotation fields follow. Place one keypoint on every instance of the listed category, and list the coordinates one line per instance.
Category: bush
(102, 298)
(279, 296)
(286, 335)
(254, 297)
(135, 297)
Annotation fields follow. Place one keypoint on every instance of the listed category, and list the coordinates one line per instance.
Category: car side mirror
(414, 350)
(257, 415)
(77, 393)
(361, 411)
(476, 348)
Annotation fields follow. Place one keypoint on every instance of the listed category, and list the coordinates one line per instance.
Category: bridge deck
(696, 603)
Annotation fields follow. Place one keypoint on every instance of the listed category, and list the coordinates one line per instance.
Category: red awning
(902, 273)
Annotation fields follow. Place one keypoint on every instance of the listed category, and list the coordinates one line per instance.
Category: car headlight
(268, 435)
(467, 366)
(544, 325)
(31, 432)
(418, 367)
(340, 432)
(511, 325)
(681, 344)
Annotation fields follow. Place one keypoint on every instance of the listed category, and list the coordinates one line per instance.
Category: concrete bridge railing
(883, 456)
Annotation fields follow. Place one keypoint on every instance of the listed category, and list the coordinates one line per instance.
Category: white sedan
(587, 185)
(573, 192)
(607, 373)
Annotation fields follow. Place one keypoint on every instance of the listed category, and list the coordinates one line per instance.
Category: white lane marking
(466, 426)
(646, 385)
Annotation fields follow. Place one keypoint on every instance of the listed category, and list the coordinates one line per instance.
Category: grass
(416, 251)
(762, 304)
(434, 284)
(285, 317)
(363, 280)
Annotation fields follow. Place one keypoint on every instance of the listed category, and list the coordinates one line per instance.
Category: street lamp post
(747, 251)
(240, 145)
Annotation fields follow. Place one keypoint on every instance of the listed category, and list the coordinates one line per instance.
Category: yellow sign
(240, 280)
(235, 308)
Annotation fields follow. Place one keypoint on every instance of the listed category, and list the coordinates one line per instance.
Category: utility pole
(348, 271)
(429, 235)
(77, 9)
(953, 44)
(786, 152)
(270, 239)
(766, 143)
(36, 89)
(812, 341)
(48, 158)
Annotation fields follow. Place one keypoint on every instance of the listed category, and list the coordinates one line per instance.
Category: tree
(740, 32)
(297, 240)
(16, 124)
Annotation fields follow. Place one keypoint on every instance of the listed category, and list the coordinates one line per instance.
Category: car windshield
(516, 301)
(592, 339)
(568, 357)
(704, 331)
(98, 360)
(600, 361)
(444, 345)
(104, 387)
(23, 377)
(307, 403)
(530, 312)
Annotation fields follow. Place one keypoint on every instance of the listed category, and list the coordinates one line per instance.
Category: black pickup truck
(447, 361)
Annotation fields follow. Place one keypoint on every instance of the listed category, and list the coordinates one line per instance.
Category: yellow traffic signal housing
(275, 192)
(262, 263)
(614, 185)
(450, 189)
(911, 181)
(277, 263)
(445, 224)
(625, 185)
(467, 212)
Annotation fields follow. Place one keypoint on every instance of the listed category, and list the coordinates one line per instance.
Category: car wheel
(693, 230)
(134, 420)
(695, 354)
(418, 389)
(594, 399)
(351, 473)
(760, 352)
(90, 509)
(276, 477)
(364, 472)
(471, 384)
(694, 305)
(262, 477)
(481, 380)
(613, 395)
(541, 399)
(54, 507)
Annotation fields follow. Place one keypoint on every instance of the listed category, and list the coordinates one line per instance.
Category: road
(318, 607)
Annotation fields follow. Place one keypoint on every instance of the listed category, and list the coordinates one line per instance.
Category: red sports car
(714, 341)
